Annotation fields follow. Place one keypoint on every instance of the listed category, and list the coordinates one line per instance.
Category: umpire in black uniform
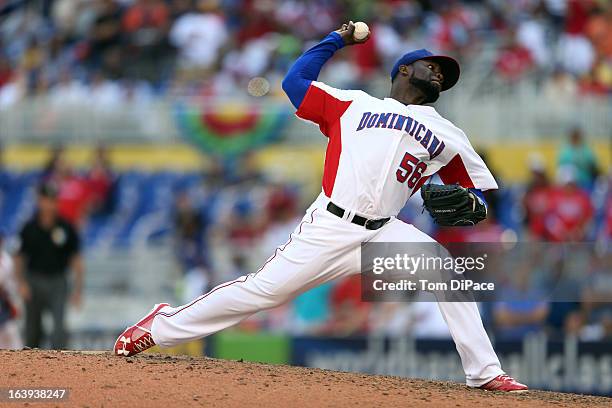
(49, 249)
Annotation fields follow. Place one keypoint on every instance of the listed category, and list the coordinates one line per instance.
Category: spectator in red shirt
(578, 15)
(514, 61)
(100, 181)
(349, 313)
(570, 209)
(145, 27)
(146, 21)
(536, 199)
(73, 196)
(453, 29)
(73, 192)
(258, 20)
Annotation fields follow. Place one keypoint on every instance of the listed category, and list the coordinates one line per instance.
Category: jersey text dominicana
(381, 151)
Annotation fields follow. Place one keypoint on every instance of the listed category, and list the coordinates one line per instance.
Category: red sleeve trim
(305, 111)
(325, 110)
(321, 108)
(455, 172)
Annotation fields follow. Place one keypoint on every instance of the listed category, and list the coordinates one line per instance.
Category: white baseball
(361, 31)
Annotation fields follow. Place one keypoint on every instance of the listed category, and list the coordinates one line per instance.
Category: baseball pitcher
(379, 153)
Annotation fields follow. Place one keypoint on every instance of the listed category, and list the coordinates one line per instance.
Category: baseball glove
(453, 205)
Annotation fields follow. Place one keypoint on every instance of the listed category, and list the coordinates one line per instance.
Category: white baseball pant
(322, 247)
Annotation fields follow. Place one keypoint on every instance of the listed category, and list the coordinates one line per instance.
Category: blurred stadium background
(179, 161)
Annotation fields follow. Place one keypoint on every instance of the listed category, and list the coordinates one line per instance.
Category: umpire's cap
(449, 66)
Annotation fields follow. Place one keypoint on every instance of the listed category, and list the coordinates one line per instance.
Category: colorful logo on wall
(230, 129)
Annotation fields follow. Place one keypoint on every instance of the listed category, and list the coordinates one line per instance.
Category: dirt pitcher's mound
(103, 380)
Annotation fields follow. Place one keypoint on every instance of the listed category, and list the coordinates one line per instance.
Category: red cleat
(137, 338)
(504, 383)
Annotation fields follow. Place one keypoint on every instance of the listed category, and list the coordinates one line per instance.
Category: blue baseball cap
(449, 66)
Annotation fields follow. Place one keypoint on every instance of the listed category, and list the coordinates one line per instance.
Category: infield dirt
(99, 379)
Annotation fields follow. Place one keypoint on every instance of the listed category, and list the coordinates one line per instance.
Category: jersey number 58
(410, 171)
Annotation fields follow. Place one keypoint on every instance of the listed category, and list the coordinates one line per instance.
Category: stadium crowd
(112, 50)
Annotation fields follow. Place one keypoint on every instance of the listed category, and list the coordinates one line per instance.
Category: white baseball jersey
(381, 151)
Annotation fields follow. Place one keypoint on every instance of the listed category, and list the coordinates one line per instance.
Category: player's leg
(314, 254)
(478, 358)
(322, 247)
